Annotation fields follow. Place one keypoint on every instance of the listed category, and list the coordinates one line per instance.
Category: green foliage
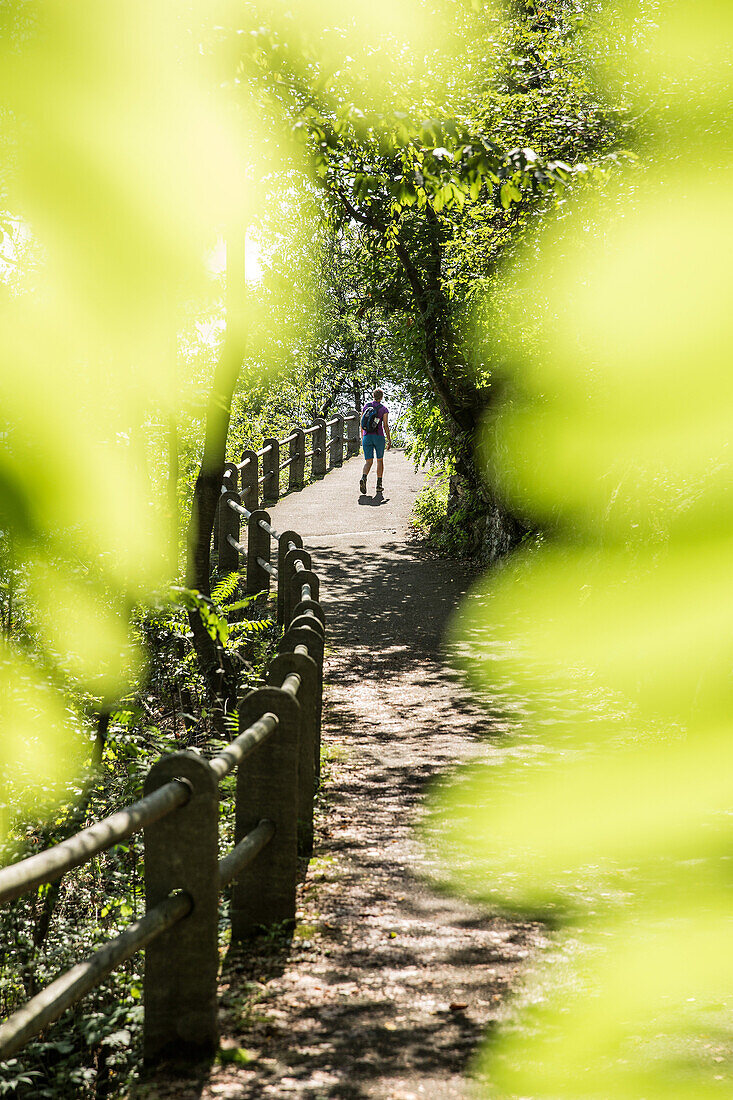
(236, 1056)
(430, 515)
(106, 201)
(430, 437)
(452, 522)
(217, 611)
(609, 810)
(432, 180)
(96, 1044)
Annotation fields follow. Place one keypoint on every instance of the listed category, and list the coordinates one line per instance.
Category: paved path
(388, 985)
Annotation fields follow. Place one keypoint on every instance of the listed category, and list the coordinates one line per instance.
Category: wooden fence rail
(277, 760)
(258, 474)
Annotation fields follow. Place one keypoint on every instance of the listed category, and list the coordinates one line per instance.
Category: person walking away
(375, 436)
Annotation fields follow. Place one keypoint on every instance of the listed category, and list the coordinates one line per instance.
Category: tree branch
(358, 215)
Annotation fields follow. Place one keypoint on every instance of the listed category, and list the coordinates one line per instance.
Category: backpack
(371, 419)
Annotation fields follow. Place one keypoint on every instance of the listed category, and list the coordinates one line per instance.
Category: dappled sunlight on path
(389, 984)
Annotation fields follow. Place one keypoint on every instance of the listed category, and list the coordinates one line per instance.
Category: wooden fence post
(319, 448)
(305, 635)
(271, 470)
(249, 485)
(296, 470)
(228, 555)
(181, 965)
(353, 433)
(306, 668)
(336, 446)
(305, 607)
(267, 789)
(230, 481)
(258, 546)
(286, 538)
(298, 578)
(311, 621)
(288, 570)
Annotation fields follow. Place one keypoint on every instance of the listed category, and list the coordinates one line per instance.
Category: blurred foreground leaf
(611, 644)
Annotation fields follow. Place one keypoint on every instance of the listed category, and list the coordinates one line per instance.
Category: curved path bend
(388, 985)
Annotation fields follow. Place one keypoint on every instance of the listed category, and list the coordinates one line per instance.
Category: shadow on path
(389, 983)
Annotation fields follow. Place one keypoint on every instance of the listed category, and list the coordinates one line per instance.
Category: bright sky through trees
(216, 260)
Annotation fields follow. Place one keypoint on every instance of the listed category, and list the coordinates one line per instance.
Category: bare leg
(368, 466)
(380, 468)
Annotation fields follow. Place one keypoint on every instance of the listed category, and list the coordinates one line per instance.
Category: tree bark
(100, 740)
(429, 308)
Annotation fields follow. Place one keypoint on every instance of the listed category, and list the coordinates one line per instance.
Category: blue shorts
(371, 443)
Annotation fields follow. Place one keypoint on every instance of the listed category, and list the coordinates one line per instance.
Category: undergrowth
(448, 524)
(93, 1051)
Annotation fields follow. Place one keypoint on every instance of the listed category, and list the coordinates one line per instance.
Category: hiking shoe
(380, 487)
(362, 486)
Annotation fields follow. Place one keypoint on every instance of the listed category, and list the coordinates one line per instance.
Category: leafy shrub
(451, 523)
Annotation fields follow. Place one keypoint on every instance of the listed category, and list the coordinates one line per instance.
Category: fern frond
(250, 626)
(225, 588)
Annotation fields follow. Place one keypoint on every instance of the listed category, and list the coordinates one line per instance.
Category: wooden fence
(277, 760)
(322, 444)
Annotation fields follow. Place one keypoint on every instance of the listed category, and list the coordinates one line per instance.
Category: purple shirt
(381, 409)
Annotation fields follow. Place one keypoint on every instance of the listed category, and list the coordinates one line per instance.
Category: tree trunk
(443, 365)
(441, 355)
(172, 486)
(216, 669)
(428, 299)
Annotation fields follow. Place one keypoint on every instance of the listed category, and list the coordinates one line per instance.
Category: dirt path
(388, 985)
